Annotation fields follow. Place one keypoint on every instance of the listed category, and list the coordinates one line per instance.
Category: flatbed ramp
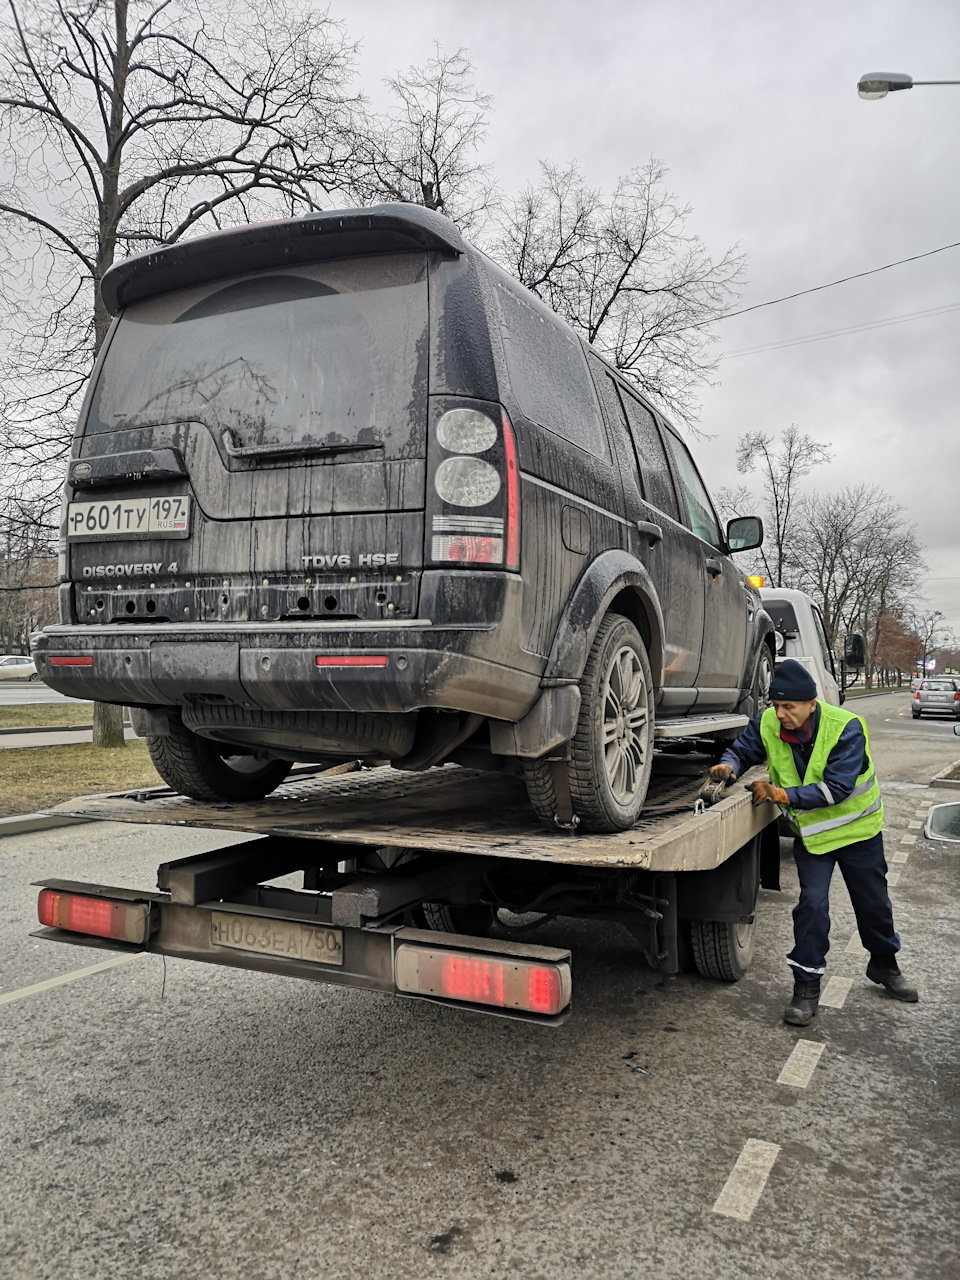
(456, 810)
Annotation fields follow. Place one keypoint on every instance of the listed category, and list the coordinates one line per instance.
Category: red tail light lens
(504, 983)
(71, 662)
(917, 695)
(352, 660)
(956, 696)
(101, 917)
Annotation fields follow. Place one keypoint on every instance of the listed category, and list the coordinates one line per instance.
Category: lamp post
(877, 84)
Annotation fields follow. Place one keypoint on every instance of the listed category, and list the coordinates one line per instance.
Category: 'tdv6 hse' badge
(365, 560)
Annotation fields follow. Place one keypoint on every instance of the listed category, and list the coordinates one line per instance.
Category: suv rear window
(330, 353)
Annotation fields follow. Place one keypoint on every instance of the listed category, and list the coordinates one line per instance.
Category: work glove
(763, 791)
(723, 773)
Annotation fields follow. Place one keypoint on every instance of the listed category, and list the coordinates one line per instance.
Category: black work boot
(885, 971)
(802, 1009)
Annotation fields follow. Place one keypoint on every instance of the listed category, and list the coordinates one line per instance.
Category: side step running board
(693, 726)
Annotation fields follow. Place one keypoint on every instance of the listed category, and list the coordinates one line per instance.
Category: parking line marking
(9, 996)
(893, 878)
(911, 840)
(914, 826)
(835, 992)
(855, 947)
(800, 1066)
(901, 855)
(743, 1189)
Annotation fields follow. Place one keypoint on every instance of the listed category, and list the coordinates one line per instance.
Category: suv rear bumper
(385, 668)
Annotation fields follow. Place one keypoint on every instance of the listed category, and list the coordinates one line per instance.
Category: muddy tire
(611, 752)
(721, 949)
(757, 697)
(205, 770)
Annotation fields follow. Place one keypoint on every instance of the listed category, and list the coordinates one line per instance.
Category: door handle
(714, 567)
(651, 531)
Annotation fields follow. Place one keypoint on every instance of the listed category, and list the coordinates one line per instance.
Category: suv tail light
(533, 986)
(101, 917)
(917, 695)
(956, 696)
(474, 507)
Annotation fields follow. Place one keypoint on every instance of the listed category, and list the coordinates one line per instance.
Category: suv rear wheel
(205, 770)
(611, 752)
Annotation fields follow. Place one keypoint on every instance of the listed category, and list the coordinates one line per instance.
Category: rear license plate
(129, 518)
(286, 938)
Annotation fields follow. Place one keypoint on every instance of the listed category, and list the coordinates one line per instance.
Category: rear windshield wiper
(304, 449)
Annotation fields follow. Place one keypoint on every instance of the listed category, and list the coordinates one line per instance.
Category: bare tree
(782, 465)
(931, 630)
(860, 558)
(425, 150)
(126, 124)
(626, 272)
(897, 648)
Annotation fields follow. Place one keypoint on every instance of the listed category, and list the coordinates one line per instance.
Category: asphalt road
(206, 1122)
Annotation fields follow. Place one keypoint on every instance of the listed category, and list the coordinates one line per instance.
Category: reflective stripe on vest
(822, 830)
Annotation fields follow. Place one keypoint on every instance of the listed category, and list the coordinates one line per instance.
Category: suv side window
(548, 374)
(654, 470)
(699, 507)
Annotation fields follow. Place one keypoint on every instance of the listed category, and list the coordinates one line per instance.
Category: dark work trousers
(864, 870)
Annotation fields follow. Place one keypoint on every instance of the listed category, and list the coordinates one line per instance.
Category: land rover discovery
(342, 489)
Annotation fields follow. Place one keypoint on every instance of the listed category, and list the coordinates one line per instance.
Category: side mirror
(854, 651)
(744, 533)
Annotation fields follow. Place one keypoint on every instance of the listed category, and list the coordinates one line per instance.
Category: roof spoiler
(338, 233)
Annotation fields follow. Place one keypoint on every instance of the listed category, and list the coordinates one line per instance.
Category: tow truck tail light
(504, 982)
(99, 917)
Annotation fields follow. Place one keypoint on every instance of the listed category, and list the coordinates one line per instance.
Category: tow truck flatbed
(461, 811)
(403, 875)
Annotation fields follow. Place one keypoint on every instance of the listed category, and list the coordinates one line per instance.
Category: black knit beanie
(792, 683)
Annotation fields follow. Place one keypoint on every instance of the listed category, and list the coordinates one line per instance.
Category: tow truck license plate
(130, 518)
(286, 938)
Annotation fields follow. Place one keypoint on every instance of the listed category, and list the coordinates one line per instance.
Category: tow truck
(398, 880)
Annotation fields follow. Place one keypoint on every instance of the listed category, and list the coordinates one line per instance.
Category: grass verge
(46, 713)
(37, 777)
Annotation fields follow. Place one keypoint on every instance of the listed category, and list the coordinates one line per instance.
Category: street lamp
(877, 84)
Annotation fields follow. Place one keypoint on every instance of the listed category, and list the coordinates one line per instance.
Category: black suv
(342, 489)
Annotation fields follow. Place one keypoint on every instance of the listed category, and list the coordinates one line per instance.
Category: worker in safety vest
(821, 775)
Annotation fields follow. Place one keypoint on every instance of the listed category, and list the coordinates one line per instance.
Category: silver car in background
(17, 666)
(939, 697)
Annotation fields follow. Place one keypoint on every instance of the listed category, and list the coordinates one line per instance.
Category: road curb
(23, 824)
(942, 779)
(54, 728)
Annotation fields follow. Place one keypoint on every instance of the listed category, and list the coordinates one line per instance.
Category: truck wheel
(446, 917)
(721, 949)
(205, 770)
(612, 749)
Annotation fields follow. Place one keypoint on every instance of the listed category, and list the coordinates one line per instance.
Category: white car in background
(17, 666)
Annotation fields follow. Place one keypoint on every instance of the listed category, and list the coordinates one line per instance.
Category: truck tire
(206, 770)
(611, 752)
(721, 949)
(446, 917)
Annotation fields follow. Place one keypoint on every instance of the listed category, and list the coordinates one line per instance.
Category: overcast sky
(753, 105)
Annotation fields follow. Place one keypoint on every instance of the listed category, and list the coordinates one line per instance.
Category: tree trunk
(107, 725)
